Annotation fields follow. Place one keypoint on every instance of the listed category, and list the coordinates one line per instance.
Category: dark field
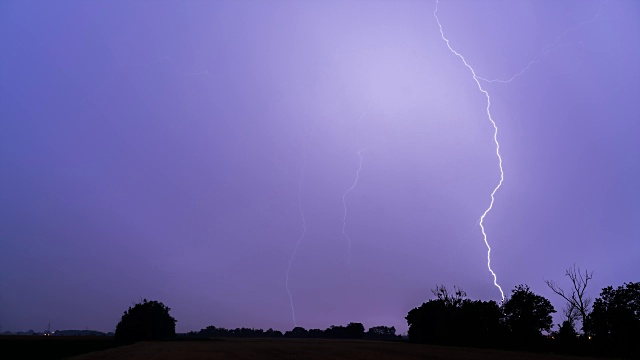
(51, 347)
(303, 349)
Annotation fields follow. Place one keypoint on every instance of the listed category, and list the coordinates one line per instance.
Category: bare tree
(571, 313)
(454, 298)
(578, 305)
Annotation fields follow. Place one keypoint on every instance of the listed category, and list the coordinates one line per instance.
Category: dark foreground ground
(304, 349)
(51, 347)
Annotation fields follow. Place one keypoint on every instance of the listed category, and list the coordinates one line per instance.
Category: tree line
(350, 331)
(608, 325)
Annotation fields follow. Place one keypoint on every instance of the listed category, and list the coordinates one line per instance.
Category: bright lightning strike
(495, 139)
(295, 250)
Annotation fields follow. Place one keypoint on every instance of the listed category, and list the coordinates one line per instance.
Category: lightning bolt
(344, 203)
(495, 139)
(355, 183)
(545, 50)
(295, 250)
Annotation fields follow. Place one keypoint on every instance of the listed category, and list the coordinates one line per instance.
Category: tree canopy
(527, 314)
(381, 332)
(615, 319)
(453, 319)
(148, 320)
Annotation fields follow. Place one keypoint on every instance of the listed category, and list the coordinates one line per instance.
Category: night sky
(220, 156)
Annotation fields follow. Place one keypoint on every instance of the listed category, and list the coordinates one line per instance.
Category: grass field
(267, 349)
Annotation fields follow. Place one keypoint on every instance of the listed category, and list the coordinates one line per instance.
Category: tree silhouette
(381, 332)
(273, 333)
(615, 319)
(450, 299)
(315, 333)
(480, 323)
(578, 304)
(297, 332)
(430, 323)
(527, 314)
(355, 330)
(452, 319)
(148, 320)
(566, 332)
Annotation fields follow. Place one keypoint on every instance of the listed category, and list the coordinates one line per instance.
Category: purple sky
(168, 150)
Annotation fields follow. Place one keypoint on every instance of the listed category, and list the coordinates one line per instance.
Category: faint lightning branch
(546, 50)
(344, 203)
(495, 139)
(355, 183)
(295, 250)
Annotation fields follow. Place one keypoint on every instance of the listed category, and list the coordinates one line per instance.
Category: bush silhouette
(148, 320)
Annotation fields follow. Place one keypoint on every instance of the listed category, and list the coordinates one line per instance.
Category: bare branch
(578, 304)
(571, 313)
(556, 289)
(455, 298)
